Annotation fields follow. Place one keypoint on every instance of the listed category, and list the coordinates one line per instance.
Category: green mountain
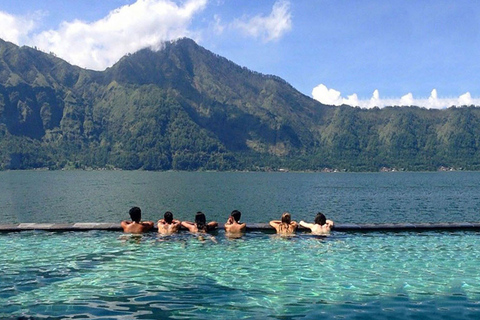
(186, 108)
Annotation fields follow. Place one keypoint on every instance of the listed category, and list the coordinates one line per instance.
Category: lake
(106, 196)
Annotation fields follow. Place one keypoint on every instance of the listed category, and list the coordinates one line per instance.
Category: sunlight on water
(102, 274)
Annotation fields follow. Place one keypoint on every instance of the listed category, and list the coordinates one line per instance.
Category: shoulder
(293, 225)
(212, 225)
(236, 227)
(146, 225)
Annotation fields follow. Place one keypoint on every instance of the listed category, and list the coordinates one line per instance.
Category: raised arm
(190, 226)
(212, 225)
(230, 221)
(275, 223)
(306, 224)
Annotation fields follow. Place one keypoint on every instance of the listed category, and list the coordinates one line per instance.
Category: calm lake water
(106, 196)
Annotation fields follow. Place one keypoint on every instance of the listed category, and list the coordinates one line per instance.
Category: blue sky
(363, 52)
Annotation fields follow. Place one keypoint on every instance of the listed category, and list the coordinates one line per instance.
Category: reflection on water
(103, 274)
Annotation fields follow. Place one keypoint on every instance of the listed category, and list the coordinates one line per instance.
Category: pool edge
(345, 227)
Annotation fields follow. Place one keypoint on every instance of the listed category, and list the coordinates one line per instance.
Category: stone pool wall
(265, 227)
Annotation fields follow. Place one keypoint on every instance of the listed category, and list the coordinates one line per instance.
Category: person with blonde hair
(285, 225)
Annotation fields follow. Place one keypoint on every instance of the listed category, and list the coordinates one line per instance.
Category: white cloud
(465, 99)
(351, 100)
(269, 28)
(374, 100)
(333, 97)
(16, 29)
(407, 100)
(327, 96)
(97, 45)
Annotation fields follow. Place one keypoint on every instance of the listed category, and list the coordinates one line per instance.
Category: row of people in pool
(168, 225)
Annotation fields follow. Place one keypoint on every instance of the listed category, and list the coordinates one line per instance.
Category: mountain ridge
(186, 108)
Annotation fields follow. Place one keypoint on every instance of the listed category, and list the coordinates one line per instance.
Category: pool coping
(347, 227)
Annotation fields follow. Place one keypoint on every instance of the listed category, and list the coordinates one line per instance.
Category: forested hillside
(186, 108)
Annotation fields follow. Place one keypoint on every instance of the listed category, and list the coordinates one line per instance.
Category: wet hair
(236, 215)
(168, 216)
(320, 219)
(201, 221)
(135, 214)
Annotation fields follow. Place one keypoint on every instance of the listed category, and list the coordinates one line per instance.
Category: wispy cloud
(217, 25)
(333, 97)
(268, 28)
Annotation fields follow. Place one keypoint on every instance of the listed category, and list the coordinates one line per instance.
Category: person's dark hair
(320, 219)
(286, 218)
(201, 221)
(236, 215)
(168, 216)
(135, 214)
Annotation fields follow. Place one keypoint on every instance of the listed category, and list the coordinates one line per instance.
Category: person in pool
(200, 224)
(321, 225)
(136, 225)
(233, 224)
(168, 225)
(286, 225)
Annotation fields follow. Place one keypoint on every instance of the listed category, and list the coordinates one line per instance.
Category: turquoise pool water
(109, 275)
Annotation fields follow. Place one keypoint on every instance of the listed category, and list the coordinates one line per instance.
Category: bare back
(284, 228)
(136, 227)
(235, 227)
(317, 228)
(168, 228)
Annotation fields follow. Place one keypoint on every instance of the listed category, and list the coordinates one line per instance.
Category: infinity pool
(109, 275)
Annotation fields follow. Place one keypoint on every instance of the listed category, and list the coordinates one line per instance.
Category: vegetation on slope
(186, 108)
